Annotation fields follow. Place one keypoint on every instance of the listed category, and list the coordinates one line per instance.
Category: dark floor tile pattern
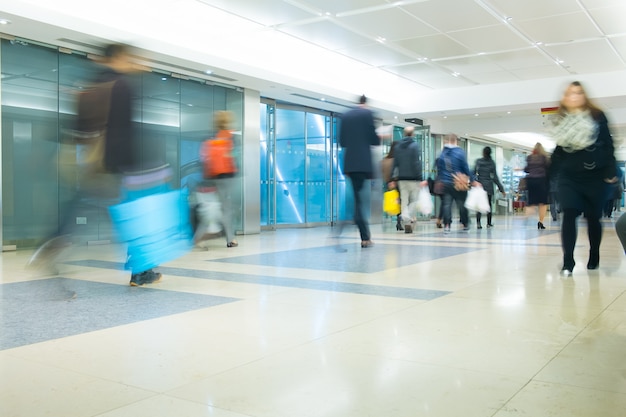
(355, 259)
(321, 285)
(36, 311)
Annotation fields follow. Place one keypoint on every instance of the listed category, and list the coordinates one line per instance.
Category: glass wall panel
(30, 118)
(267, 174)
(343, 190)
(290, 167)
(318, 168)
(39, 88)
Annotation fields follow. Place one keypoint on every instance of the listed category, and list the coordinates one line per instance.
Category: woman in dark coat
(585, 164)
(486, 175)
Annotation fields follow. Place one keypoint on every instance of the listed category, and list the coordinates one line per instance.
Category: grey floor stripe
(379, 290)
(40, 310)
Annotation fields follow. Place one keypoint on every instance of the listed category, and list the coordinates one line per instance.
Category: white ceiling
(475, 67)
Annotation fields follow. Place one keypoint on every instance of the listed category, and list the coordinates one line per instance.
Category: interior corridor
(294, 323)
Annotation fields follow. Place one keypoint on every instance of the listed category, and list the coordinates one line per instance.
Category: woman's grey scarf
(575, 131)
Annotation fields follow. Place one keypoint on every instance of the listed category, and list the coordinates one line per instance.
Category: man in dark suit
(357, 135)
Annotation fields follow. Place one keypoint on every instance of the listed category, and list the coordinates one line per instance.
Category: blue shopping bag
(156, 228)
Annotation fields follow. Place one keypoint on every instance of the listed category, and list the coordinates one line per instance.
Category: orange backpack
(217, 156)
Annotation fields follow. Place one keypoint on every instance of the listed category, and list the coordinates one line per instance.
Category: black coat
(486, 175)
(357, 135)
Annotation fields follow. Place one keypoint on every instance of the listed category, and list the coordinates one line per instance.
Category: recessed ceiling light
(323, 99)
(163, 78)
(5, 22)
(208, 72)
(455, 74)
(380, 39)
(476, 114)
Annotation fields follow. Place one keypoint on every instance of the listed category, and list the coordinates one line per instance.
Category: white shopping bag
(477, 200)
(209, 211)
(424, 201)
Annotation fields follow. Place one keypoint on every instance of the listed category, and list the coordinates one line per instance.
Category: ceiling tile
(449, 15)
(327, 34)
(610, 19)
(470, 65)
(377, 54)
(492, 77)
(585, 57)
(526, 58)
(436, 46)
(489, 38)
(539, 72)
(429, 75)
(591, 4)
(391, 24)
(334, 6)
(562, 28)
(534, 9)
(620, 45)
(266, 12)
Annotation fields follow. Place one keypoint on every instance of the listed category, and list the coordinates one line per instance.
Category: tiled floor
(288, 324)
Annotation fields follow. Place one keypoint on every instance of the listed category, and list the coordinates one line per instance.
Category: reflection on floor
(295, 323)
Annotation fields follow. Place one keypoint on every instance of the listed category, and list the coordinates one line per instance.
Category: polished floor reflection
(296, 323)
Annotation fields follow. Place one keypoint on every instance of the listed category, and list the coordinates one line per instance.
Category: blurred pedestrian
(487, 176)
(453, 171)
(584, 161)
(390, 177)
(220, 170)
(408, 163)
(537, 164)
(357, 135)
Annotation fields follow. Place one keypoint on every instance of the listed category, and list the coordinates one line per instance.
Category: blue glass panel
(290, 167)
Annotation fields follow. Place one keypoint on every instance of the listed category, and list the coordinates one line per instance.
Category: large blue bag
(156, 228)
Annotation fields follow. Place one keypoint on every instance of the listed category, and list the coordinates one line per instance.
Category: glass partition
(39, 85)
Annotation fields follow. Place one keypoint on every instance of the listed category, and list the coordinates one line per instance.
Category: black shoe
(399, 226)
(489, 226)
(146, 277)
(568, 268)
(479, 226)
(594, 262)
(540, 226)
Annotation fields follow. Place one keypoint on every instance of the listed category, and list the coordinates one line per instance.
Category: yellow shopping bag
(391, 202)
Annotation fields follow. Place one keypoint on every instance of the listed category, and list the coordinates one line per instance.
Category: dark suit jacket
(357, 134)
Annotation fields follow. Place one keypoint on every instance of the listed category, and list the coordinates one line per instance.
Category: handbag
(391, 202)
(461, 181)
(438, 187)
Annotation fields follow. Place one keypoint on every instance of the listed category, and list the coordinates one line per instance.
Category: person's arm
(496, 180)
(417, 161)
